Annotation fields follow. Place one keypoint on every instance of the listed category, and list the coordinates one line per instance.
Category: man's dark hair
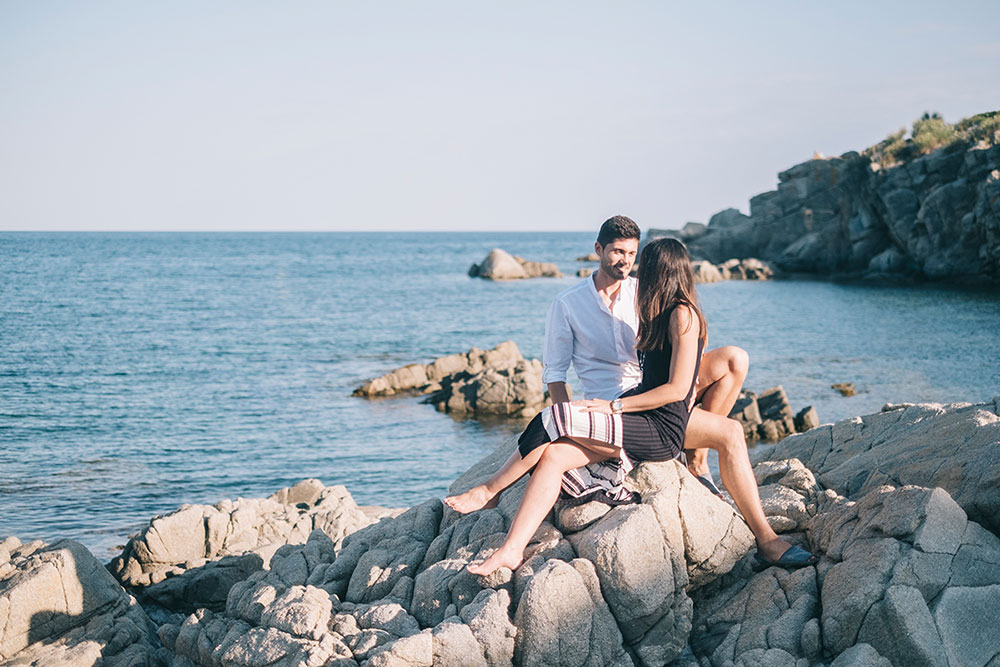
(618, 227)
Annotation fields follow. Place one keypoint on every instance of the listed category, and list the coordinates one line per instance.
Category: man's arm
(558, 392)
(558, 352)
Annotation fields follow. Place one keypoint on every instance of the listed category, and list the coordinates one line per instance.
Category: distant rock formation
(769, 417)
(915, 209)
(731, 269)
(475, 383)
(501, 265)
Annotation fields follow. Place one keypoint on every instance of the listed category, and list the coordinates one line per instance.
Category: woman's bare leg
(540, 496)
(720, 379)
(487, 494)
(725, 435)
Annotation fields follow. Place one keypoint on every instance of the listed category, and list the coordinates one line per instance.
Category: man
(593, 325)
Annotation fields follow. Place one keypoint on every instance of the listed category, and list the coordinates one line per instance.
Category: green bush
(931, 132)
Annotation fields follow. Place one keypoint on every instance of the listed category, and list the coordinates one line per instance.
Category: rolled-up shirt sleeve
(558, 344)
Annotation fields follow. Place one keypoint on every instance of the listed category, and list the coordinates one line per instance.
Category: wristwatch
(616, 406)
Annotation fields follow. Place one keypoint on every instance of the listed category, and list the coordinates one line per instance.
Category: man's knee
(737, 360)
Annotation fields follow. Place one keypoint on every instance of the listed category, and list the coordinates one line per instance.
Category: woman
(647, 423)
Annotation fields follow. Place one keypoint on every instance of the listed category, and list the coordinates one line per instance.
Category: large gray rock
(190, 558)
(952, 446)
(501, 265)
(59, 606)
(564, 621)
(907, 568)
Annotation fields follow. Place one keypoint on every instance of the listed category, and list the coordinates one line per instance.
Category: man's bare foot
(697, 464)
(500, 558)
(774, 549)
(476, 498)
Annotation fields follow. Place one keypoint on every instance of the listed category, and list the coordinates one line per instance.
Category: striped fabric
(565, 419)
(603, 481)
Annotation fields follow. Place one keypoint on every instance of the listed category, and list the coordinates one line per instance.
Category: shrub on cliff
(931, 132)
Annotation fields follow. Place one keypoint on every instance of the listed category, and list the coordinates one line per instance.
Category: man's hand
(595, 405)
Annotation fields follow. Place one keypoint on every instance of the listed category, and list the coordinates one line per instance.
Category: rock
(501, 265)
(705, 272)
(903, 445)
(860, 655)
(584, 273)
(769, 417)
(477, 383)
(845, 388)
(191, 558)
(592, 257)
(516, 391)
(418, 377)
(805, 419)
(563, 620)
(489, 619)
(896, 566)
(59, 606)
(930, 216)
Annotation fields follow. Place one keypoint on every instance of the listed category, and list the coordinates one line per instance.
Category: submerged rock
(501, 265)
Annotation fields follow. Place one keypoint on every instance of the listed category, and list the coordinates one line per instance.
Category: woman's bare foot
(500, 558)
(476, 498)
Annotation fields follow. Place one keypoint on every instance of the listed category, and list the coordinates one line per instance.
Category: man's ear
(597, 248)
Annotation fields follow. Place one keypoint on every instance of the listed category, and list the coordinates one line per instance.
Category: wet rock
(845, 388)
(501, 265)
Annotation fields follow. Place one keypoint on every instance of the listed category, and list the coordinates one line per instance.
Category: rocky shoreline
(925, 208)
(903, 506)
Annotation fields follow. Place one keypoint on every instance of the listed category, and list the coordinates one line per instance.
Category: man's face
(617, 257)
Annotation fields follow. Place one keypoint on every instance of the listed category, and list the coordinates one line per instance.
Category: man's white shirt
(598, 341)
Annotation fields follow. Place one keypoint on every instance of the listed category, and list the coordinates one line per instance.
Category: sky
(455, 116)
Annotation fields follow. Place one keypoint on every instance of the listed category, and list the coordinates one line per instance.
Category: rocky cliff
(926, 207)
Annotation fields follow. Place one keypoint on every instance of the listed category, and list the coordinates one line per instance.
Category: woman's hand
(595, 405)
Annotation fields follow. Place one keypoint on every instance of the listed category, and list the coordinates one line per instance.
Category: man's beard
(618, 272)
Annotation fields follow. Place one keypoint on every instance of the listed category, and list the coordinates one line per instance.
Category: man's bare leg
(725, 435)
(720, 379)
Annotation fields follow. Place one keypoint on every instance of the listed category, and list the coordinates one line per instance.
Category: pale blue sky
(385, 115)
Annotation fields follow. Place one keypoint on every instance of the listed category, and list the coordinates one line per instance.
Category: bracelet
(616, 406)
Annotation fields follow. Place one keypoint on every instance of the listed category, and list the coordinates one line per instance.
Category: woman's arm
(683, 332)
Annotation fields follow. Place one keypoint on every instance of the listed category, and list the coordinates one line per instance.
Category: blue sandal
(710, 485)
(793, 558)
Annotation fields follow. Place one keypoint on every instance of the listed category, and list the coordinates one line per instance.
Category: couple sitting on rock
(643, 337)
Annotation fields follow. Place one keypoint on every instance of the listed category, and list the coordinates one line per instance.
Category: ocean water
(139, 372)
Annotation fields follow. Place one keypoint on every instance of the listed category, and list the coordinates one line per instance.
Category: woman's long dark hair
(665, 282)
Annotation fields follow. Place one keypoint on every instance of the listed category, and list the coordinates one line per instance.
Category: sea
(143, 371)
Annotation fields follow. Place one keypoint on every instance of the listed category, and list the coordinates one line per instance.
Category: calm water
(142, 371)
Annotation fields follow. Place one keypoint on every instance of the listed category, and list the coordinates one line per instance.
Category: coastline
(198, 567)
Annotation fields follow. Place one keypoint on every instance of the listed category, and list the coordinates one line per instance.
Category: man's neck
(607, 287)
